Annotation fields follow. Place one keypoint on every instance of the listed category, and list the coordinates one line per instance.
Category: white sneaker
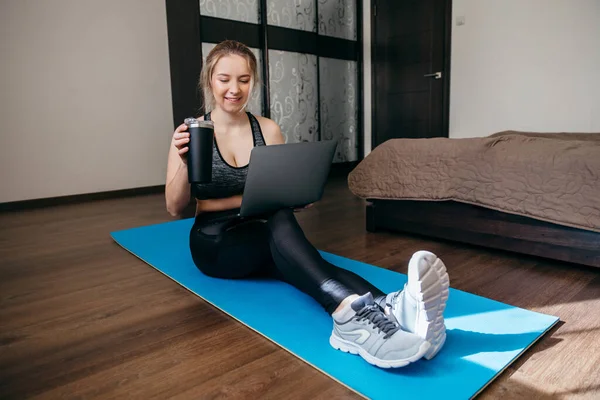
(419, 307)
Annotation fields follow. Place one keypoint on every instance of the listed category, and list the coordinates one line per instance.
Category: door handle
(436, 75)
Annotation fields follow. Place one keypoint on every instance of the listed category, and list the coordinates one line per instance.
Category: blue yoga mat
(483, 336)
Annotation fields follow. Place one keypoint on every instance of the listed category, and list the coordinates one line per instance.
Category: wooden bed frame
(481, 226)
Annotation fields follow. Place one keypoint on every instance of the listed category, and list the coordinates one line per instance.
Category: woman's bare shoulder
(270, 130)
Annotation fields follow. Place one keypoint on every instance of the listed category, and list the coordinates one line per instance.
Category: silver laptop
(286, 176)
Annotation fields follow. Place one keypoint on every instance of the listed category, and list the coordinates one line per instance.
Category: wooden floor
(82, 318)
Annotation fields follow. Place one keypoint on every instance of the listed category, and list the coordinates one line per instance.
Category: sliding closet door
(293, 76)
(236, 10)
(294, 97)
(339, 80)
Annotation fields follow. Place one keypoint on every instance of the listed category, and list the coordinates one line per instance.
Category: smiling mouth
(233, 99)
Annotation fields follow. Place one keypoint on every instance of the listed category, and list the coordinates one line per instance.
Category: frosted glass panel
(255, 103)
(337, 18)
(293, 92)
(339, 106)
(238, 10)
(294, 14)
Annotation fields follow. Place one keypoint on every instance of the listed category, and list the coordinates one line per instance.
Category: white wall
(529, 65)
(85, 99)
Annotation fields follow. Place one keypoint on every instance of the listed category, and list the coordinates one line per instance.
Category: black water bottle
(199, 157)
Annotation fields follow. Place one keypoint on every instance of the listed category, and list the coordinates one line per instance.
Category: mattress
(552, 177)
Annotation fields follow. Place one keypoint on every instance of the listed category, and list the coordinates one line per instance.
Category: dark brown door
(411, 65)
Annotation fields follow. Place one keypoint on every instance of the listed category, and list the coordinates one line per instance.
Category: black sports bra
(227, 180)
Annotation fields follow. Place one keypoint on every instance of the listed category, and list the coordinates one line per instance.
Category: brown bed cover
(552, 177)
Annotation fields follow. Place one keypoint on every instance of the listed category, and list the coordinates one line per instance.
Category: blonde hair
(225, 48)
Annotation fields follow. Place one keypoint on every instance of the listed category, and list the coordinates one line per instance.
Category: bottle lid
(193, 122)
(206, 124)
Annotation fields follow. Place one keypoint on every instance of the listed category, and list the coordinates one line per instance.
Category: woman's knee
(203, 249)
(282, 215)
(283, 223)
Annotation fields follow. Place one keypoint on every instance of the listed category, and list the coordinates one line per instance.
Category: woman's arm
(177, 188)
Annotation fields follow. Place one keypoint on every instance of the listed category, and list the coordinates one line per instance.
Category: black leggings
(274, 246)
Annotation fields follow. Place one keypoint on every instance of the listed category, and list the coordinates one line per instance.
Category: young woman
(387, 330)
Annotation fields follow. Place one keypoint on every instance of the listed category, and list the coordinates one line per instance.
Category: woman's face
(230, 83)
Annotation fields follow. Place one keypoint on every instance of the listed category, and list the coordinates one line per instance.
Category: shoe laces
(376, 316)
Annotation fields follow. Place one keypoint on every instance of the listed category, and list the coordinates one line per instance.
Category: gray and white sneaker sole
(352, 348)
(432, 297)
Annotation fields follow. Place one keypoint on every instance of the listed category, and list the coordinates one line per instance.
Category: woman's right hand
(181, 138)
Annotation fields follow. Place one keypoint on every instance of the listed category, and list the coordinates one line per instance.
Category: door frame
(445, 71)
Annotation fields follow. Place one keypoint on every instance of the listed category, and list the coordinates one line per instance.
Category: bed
(527, 192)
